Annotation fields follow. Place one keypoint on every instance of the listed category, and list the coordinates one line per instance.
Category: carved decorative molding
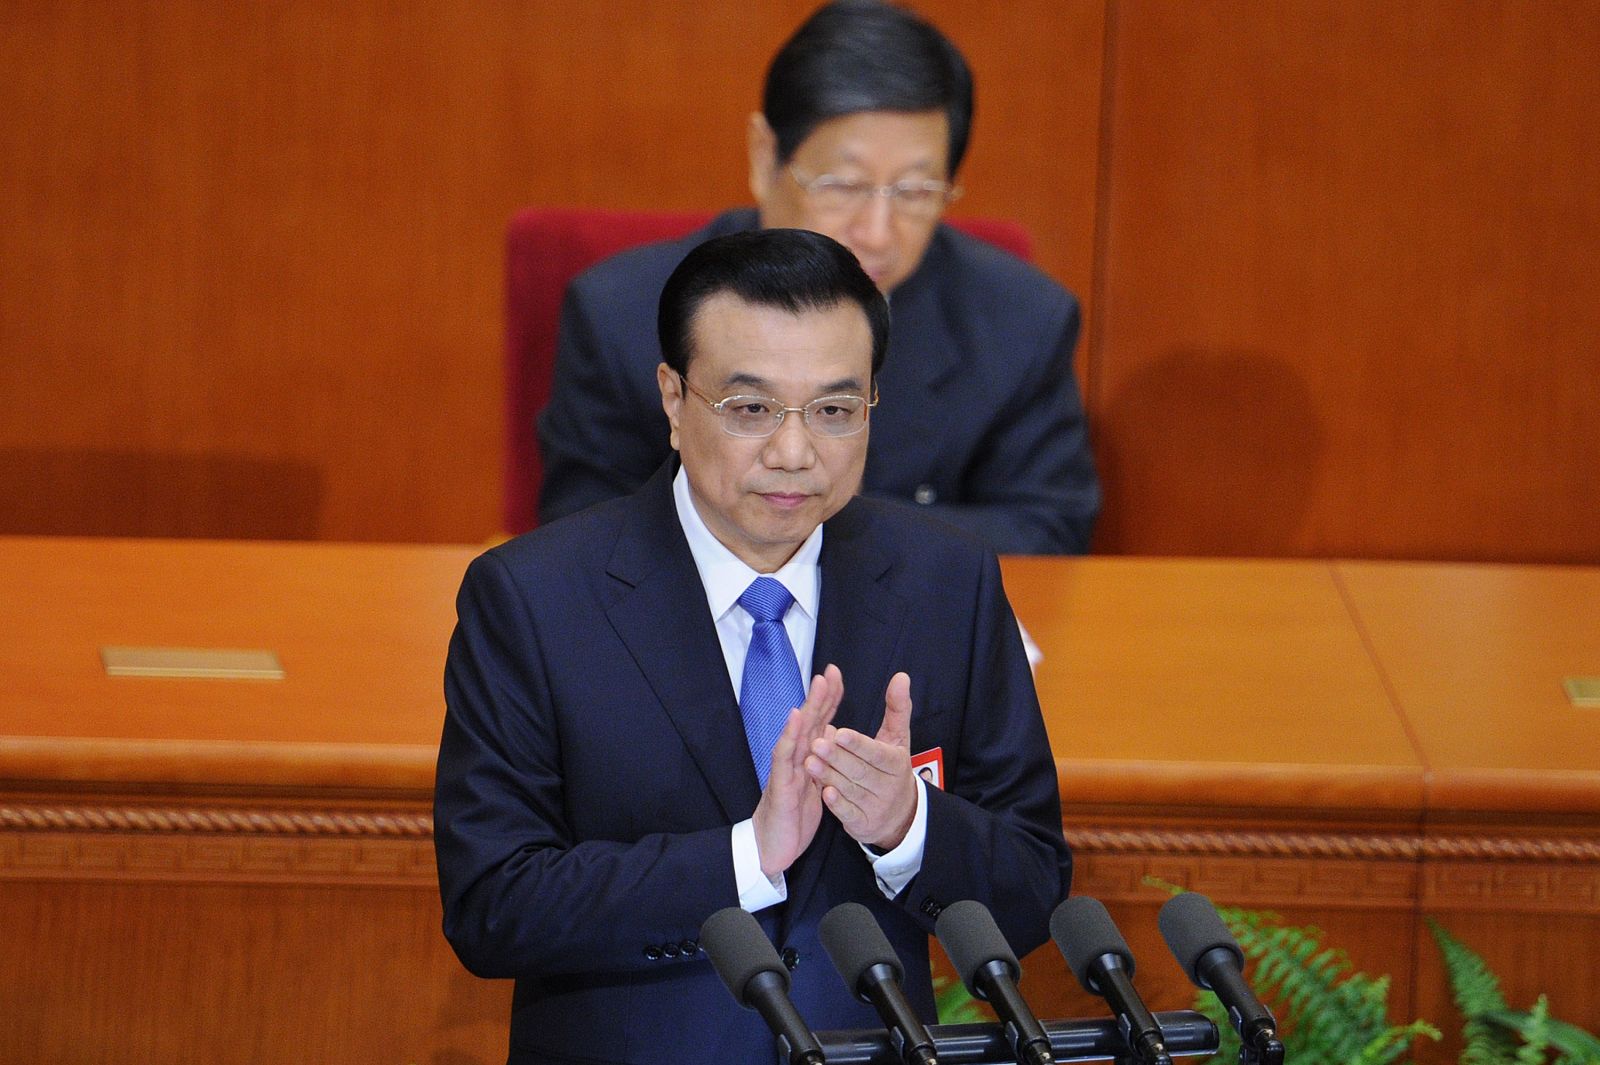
(1250, 881)
(216, 858)
(1504, 875)
(215, 820)
(1502, 888)
(216, 844)
(416, 825)
(1489, 848)
(1253, 844)
(394, 846)
(1520, 886)
(1331, 845)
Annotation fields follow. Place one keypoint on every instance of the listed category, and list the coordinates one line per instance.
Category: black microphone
(1212, 959)
(748, 963)
(1099, 957)
(983, 958)
(872, 972)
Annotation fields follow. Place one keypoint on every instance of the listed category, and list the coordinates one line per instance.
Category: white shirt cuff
(756, 892)
(894, 869)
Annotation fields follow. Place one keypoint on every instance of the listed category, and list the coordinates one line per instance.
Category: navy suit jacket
(593, 762)
(980, 420)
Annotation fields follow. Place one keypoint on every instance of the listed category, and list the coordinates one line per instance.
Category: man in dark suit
(628, 746)
(864, 124)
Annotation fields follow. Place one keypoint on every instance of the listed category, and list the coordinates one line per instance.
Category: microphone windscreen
(1083, 932)
(739, 950)
(970, 937)
(1192, 927)
(855, 943)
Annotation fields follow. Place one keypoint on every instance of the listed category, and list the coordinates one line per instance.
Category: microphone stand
(1187, 1034)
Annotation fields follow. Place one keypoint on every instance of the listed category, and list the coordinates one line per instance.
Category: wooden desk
(241, 871)
(1239, 684)
(227, 871)
(1354, 745)
(360, 630)
(1475, 656)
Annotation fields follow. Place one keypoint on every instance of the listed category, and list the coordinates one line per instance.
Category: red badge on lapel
(929, 765)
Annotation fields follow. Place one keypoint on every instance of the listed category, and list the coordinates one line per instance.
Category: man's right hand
(790, 809)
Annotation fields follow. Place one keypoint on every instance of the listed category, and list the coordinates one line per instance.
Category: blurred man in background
(864, 123)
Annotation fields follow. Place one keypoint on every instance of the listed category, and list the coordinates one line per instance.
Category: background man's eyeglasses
(910, 198)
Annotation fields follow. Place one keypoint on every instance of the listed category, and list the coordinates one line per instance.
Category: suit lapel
(662, 618)
(859, 623)
(924, 355)
(859, 618)
(923, 374)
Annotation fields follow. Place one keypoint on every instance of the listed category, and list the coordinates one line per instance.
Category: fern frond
(1476, 991)
(953, 1004)
(1353, 1016)
(1494, 1033)
(1330, 1014)
(1475, 988)
(1571, 1042)
(1392, 1043)
(1535, 1032)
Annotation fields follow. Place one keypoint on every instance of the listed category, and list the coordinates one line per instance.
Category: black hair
(791, 269)
(865, 55)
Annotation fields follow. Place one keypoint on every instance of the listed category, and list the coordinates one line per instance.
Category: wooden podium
(241, 870)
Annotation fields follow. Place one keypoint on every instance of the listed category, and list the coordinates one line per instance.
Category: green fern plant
(954, 1005)
(1331, 1014)
(1496, 1034)
(1328, 1012)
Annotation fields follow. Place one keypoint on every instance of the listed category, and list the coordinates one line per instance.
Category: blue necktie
(771, 685)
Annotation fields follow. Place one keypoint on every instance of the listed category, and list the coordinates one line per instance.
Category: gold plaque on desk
(207, 663)
(1583, 691)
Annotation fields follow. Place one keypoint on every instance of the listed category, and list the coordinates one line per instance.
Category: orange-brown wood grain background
(1338, 257)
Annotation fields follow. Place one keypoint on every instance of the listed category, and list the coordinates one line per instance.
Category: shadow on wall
(1208, 453)
(118, 493)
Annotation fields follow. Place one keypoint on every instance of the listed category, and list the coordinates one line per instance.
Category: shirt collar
(725, 576)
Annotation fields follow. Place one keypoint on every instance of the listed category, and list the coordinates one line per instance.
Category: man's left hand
(866, 780)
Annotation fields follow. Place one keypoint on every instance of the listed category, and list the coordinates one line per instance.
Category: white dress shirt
(725, 578)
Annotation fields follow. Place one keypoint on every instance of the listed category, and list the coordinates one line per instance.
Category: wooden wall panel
(202, 935)
(250, 257)
(241, 973)
(1535, 924)
(1035, 154)
(1347, 285)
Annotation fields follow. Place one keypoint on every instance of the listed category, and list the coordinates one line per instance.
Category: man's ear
(762, 146)
(671, 386)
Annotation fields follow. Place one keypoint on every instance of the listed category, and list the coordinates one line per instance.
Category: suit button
(932, 907)
(670, 950)
(652, 953)
(791, 958)
(925, 494)
(689, 948)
